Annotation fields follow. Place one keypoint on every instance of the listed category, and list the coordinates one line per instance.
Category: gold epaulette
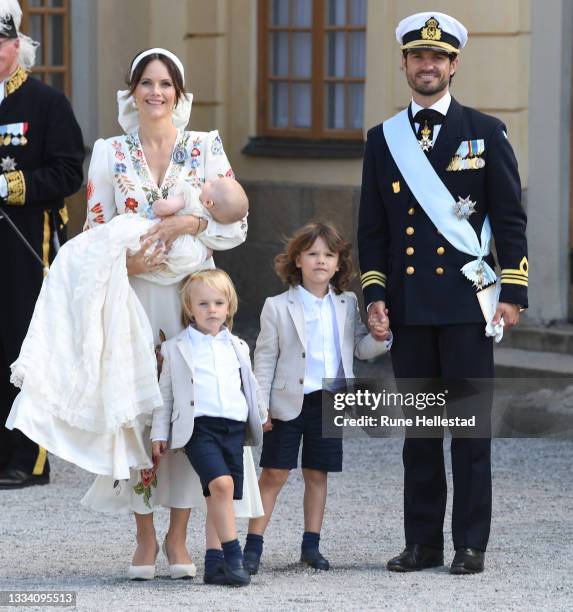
(373, 277)
(512, 276)
(16, 187)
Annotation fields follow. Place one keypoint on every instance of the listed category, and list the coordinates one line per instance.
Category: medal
(464, 208)
(480, 163)
(180, 154)
(8, 164)
(425, 142)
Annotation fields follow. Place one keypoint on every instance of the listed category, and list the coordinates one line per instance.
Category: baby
(222, 200)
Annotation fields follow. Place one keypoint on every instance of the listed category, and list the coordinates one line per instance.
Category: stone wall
(276, 211)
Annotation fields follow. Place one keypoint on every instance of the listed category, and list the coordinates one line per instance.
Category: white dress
(120, 183)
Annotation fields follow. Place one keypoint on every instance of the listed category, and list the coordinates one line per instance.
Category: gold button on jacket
(410, 270)
(439, 271)
(409, 230)
(411, 211)
(410, 251)
(440, 250)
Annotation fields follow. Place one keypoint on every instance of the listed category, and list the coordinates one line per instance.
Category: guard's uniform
(41, 156)
(437, 323)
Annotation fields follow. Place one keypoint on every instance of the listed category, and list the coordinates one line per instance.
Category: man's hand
(378, 322)
(267, 425)
(508, 312)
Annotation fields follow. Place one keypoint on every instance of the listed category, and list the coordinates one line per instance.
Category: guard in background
(41, 156)
(439, 179)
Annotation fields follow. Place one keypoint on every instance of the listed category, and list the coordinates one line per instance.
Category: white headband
(160, 51)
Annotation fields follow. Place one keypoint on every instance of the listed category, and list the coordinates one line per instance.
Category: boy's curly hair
(302, 240)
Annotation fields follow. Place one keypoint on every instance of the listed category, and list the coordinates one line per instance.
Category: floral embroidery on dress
(97, 212)
(217, 146)
(131, 204)
(90, 189)
(143, 487)
(150, 189)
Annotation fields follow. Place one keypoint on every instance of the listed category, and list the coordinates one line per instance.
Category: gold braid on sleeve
(16, 188)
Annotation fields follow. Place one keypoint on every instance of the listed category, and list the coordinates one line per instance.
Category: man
(41, 156)
(438, 178)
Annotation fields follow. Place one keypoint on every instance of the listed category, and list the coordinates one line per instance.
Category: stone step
(519, 363)
(547, 339)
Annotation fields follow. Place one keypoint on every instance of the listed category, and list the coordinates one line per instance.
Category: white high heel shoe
(179, 571)
(142, 572)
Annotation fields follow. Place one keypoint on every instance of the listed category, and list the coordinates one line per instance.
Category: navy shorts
(216, 449)
(281, 444)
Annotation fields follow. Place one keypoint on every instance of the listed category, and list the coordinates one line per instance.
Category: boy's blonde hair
(214, 279)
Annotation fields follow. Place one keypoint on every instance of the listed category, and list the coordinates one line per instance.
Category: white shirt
(217, 377)
(442, 106)
(323, 356)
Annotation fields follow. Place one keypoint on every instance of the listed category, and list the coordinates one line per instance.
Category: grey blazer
(174, 420)
(281, 349)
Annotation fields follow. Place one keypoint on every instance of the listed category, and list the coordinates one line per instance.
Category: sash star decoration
(8, 164)
(464, 207)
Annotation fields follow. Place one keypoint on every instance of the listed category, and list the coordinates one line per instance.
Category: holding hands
(378, 322)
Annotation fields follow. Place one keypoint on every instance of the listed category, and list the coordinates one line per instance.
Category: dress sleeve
(100, 191)
(218, 236)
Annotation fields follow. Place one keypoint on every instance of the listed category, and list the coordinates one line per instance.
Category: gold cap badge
(432, 30)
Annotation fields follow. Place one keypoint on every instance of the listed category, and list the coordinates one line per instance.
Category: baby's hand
(168, 206)
(157, 450)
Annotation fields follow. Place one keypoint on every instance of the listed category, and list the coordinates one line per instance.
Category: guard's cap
(431, 30)
(10, 18)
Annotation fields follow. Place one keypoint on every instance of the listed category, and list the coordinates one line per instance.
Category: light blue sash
(436, 200)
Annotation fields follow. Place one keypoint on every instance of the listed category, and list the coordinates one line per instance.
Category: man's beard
(427, 89)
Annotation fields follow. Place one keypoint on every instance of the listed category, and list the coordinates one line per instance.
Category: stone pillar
(549, 197)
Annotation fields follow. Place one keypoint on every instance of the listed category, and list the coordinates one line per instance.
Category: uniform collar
(442, 105)
(15, 81)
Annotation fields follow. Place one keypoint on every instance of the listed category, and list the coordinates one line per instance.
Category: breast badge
(464, 208)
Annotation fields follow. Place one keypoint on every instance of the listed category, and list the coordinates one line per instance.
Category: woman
(127, 174)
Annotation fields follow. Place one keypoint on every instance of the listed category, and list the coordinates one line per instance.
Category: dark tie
(427, 118)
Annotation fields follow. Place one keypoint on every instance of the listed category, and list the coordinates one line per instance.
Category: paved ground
(50, 542)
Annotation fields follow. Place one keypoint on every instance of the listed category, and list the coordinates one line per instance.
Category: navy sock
(213, 560)
(233, 553)
(310, 540)
(254, 544)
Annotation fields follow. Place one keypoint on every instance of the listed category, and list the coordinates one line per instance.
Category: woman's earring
(134, 104)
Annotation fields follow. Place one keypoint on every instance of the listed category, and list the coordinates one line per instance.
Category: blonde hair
(214, 279)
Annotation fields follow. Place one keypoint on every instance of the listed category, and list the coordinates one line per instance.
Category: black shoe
(12, 478)
(251, 561)
(228, 576)
(314, 559)
(216, 577)
(467, 561)
(416, 557)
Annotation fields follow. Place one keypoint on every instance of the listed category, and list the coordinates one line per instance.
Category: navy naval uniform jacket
(41, 157)
(403, 258)
(439, 329)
